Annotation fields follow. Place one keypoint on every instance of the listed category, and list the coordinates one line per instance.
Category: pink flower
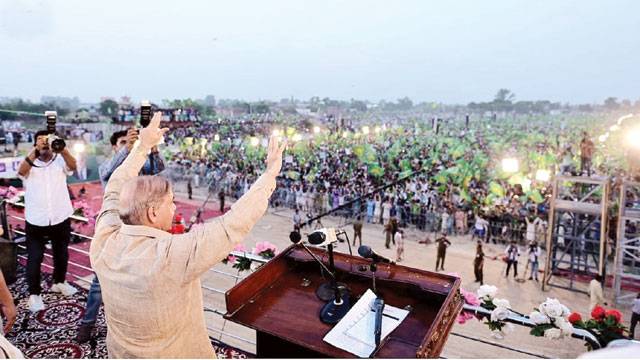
(231, 259)
(240, 247)
(469, 297)
(264, 246)
(464, 316)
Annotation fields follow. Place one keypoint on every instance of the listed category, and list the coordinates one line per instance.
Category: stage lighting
(543, 175)
(78, 148)
(633, 138)
(510, 165)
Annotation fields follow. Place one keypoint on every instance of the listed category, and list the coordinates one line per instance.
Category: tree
(261, 108)
(611, 103)
(504, 96)
(108, 108)
(405, 103)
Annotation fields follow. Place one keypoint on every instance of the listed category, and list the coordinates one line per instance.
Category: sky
(445, 51)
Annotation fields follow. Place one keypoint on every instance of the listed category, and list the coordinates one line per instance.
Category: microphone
(322, 237)
(336, 294)
(367, 253)
(378, 307)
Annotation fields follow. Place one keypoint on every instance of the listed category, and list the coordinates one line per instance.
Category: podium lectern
(279, 301)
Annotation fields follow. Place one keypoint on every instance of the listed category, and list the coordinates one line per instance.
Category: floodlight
(510, 165)
(543, 175)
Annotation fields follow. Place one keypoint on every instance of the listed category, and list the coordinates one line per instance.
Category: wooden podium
(279, 301)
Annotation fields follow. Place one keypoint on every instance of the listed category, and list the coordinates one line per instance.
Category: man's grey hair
(139, 194)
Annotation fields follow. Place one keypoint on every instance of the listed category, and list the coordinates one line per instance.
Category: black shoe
(531, 278)
(84, 333)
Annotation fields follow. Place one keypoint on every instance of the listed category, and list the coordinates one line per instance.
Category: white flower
(552, 308)
(497, 334)
(539, 318)
(487, 292)
(501, 303)
(553, 333)
(499, 313)
(564, 325)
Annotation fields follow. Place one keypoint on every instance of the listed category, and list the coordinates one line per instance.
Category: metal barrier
(522, 320)
(516, 319)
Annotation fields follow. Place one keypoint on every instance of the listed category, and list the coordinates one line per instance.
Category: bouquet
(551, 320)
(604, 324)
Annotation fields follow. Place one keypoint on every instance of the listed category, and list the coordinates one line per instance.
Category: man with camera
(47, 210)
(151, 278)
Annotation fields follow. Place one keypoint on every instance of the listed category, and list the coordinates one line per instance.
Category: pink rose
(469, 297)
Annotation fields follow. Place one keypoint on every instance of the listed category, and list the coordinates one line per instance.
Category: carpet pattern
(51, 333)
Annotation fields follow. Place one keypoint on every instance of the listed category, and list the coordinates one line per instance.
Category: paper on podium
(354, 333)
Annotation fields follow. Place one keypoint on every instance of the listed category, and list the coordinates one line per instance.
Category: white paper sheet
(354, 333)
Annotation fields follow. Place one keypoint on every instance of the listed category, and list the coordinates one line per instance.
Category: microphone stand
(338, 306)
(342, 232)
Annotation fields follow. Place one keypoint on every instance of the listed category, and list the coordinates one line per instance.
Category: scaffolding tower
(627, 252)
(577, 233)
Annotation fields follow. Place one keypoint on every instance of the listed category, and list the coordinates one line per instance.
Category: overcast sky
(448, 51)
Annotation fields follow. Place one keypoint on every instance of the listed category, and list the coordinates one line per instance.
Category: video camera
(57, 144)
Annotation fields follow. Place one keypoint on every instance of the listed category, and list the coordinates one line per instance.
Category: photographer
(47, 211)
(151, 278)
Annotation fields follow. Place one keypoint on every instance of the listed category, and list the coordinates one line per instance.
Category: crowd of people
(438, 178)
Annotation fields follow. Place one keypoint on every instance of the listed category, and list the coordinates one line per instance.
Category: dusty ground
(275, 227)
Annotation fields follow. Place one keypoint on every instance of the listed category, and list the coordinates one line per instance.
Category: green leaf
(496, 189)
(536, 197)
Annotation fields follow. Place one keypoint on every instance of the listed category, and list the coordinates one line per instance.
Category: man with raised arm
(151, 278)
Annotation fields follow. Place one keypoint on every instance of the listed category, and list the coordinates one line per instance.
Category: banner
(9, 167)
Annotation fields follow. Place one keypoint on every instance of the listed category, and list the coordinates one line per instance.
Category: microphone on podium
(336, 294)
(368, 253)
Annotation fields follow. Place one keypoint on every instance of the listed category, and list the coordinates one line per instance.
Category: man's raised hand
(152, 135)
(274, 155)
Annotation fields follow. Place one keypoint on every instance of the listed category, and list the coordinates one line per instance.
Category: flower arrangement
(550, 319)
(9, 193)
(241, 263)
(265, 249)
(604, 324)
(13, 195)
(471, 299)
(82, 208)
(499, 311)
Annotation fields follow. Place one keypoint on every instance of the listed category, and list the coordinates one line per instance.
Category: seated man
(151, 278)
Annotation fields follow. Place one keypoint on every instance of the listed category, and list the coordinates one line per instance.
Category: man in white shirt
(47, 211)
(595, 293)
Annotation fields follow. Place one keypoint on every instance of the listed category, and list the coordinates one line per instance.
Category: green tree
(108, 108)
(611, 103)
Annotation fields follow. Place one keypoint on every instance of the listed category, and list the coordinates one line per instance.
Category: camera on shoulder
(57, 143)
